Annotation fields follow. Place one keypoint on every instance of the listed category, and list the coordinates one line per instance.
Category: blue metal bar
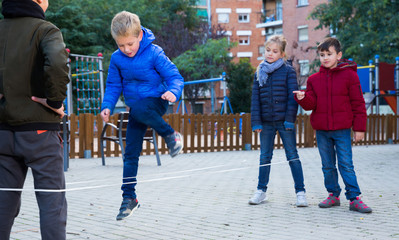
(203, 81)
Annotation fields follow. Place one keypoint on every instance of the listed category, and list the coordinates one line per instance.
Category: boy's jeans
(267, 137)
(333, 145)
(147, 112)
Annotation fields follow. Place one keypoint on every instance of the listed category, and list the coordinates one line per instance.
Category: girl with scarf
(273, 108)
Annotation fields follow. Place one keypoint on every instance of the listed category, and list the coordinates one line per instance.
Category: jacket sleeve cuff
(103, 106)
(54, 104)
(289, 125)
(256, 127)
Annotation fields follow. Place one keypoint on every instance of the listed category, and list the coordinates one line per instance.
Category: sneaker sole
(254, 203)
(180, 151)
(328, 206)
(130, 214)
(357, 210)
(302, 205)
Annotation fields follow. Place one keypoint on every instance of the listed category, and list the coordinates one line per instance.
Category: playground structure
(380, 80)
(86, 88)
(226, 100)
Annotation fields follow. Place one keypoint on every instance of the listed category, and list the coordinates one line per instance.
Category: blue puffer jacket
(274, 101)
(149, 73)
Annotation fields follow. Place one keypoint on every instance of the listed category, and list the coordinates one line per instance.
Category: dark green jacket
(33, 62)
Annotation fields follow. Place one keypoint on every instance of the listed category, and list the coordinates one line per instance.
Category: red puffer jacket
(335, 98)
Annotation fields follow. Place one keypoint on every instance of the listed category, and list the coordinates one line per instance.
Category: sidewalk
(205, 196)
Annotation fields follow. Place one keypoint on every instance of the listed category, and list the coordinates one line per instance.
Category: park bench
(119, 136)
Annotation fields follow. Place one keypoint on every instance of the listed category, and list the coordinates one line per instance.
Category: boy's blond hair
(125, 24)
(281, 43)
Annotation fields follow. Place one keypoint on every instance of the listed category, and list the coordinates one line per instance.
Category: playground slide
(391, 100)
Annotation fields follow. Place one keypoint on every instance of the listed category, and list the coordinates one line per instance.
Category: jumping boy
(148, 80)
(335, 97)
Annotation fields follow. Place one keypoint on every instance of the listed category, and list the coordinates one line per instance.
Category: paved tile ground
(205, 196)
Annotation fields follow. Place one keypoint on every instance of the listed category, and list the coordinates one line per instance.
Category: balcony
(275, 23)
(272, 18)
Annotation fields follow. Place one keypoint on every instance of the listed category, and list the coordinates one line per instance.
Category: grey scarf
(266, 68)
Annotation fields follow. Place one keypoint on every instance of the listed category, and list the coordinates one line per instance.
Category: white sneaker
(258, 197)
(301, 199)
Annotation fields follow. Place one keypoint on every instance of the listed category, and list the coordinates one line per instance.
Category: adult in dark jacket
(33, 79)
(273, 109)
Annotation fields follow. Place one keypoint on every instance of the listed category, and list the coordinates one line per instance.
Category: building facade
(251, 22)
(238, 19)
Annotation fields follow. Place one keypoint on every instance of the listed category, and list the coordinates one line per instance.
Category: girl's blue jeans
(147, 112)
(335, 145)
(267, 136)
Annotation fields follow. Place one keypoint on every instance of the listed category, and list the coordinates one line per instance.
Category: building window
(226, 34)
(223, 14)
(198, 108)
(243, 37)
(243, 18)
(302, 3)
(279, 10)
(201, 3)
(278, 31)
(261, 52)
(223, 18)
(303, 33)
(304, 67)
(243, 40)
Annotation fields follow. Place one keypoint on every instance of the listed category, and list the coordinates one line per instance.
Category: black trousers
(42, 152)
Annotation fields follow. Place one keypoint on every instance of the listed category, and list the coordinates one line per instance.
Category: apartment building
(238, 19)
(290, 18)
(252, 22)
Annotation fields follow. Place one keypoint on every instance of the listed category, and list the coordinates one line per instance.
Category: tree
(239, 81)
(204, 61)
(364, 27)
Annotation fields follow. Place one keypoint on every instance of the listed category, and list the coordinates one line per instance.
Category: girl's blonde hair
(281, 43)
(125, 24)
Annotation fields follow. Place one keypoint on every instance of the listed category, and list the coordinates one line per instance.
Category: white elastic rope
(144, 181)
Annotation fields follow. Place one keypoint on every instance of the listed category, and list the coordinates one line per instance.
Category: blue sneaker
(127, 208)
(174, 143)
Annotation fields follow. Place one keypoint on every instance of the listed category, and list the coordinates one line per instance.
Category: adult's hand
(43, 101)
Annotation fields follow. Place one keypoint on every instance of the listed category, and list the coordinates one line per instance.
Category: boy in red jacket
(335, 97)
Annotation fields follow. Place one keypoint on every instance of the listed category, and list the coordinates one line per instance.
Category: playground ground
(205, 195)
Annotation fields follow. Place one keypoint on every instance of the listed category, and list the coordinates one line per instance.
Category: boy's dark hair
(329, 42)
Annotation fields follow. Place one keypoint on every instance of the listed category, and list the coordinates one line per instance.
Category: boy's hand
(169, 96)
(105, 114)
(43, 101)
(299, 94)
(358, 136)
